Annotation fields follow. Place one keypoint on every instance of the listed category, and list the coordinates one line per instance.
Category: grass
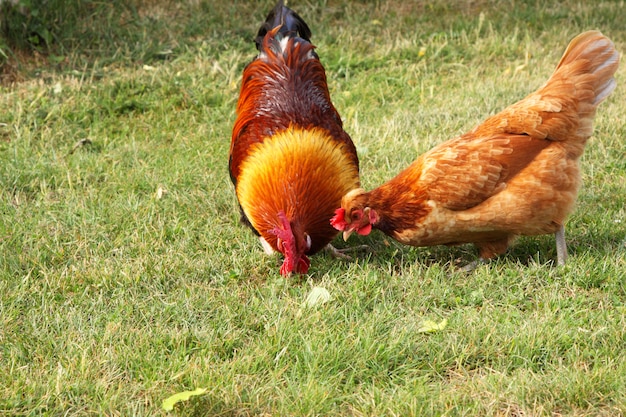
(125, 276)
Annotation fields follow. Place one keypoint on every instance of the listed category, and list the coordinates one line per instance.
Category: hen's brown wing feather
(466, 172)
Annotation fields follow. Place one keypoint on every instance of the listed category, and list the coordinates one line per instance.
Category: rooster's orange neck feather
(302, 172)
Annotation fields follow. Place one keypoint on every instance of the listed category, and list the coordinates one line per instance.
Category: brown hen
(515, 174)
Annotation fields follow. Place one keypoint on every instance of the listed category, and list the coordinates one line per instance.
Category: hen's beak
(346, 234)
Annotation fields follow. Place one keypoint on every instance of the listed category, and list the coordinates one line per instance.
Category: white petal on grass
(429, 326)
(160, 192)
(318, 295)
(169, 402)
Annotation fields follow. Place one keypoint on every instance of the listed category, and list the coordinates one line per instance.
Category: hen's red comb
(339, 219)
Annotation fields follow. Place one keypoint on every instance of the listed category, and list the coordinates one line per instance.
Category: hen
(515, 174)
(290, 159)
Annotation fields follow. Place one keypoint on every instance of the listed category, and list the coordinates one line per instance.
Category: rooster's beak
(346, 234)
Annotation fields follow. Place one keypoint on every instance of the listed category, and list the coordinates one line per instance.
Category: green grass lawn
(125, 276)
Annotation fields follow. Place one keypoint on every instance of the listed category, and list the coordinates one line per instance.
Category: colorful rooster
(290, 159)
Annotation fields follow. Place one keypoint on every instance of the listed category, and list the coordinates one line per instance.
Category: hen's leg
(487, 251)
(561, 246)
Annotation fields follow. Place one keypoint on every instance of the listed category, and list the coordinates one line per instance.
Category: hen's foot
(341, 253)
(470, 267)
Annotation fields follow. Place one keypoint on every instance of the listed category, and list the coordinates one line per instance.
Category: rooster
(515, 174)
(290, 159)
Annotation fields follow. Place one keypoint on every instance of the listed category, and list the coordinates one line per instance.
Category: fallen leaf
(169, 402)
(429, 326)
(82, 142)
(318, 295)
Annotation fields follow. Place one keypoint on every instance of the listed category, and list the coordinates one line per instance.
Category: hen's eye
(356, 216)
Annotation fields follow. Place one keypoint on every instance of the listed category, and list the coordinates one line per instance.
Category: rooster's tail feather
(292, 25)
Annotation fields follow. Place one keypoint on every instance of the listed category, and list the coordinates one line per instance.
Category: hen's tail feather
(564, 108)
(291, 24)
(591, 60)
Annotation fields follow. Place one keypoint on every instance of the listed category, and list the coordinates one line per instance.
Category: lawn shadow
(525, 251)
